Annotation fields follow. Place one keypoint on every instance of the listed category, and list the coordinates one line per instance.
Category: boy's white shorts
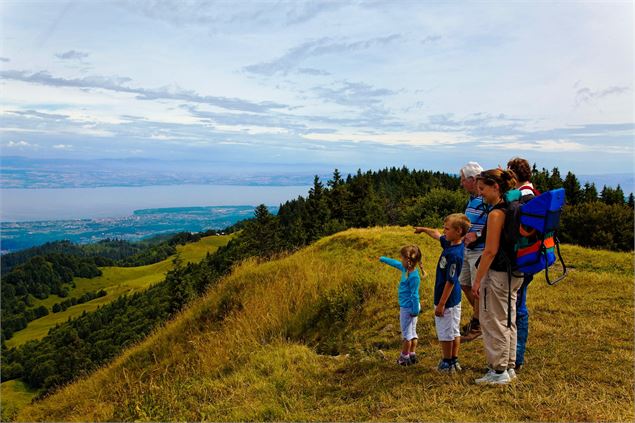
(449, 326)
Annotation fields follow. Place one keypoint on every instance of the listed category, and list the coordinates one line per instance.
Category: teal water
(141, 224)
(31, 217)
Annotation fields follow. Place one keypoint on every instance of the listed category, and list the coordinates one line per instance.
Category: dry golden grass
(314, 336)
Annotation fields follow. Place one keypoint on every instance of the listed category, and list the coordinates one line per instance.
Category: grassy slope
(116, 281)
(15, 395)
(254, 348)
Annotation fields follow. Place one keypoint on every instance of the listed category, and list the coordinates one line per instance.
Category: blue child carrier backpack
(535, 224)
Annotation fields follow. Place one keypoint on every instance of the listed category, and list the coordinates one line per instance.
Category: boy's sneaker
(445, 367)
(403, 361)
(474, 333)
(457, 366)
(511, 373)
(493, 378)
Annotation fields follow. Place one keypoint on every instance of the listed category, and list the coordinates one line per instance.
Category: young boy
(447, 288)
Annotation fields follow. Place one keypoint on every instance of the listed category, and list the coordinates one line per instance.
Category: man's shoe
(511, 373)
(474, 333)
(493, 378)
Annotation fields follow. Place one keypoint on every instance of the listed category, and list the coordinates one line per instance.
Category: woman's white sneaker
(493, 378)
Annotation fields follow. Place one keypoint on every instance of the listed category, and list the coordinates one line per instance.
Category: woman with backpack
(495, 284)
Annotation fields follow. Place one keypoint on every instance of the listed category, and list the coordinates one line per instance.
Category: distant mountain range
(21, 172)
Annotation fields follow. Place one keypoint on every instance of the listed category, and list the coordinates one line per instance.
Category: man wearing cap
(476, 210)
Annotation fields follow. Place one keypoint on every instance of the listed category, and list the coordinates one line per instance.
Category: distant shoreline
(148, 223)
(55, 204)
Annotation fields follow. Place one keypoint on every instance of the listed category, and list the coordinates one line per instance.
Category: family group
(474, 260)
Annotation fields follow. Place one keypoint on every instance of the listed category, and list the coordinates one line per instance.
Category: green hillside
(116, 281)
(314, 336)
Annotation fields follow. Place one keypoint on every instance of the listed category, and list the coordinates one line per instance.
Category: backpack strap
(565, 272)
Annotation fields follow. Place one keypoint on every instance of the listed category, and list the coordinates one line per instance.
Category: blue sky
(327, 84)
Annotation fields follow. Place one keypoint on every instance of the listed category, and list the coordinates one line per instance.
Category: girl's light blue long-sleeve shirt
(408, 286)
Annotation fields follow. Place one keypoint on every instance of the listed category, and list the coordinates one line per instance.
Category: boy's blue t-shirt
(408, 286)
(448, 270)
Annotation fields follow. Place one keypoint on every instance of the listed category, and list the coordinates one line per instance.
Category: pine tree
(619, 195)
(631, 200)
(605, 194)
(317, 209)
(263, 234)
(540, 178)
(555, 181)
(612, 196)
(572, 189)
(337, 197)
(590, 193)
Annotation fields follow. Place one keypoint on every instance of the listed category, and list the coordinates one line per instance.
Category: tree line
(402, 197)
(39, 277)
(50, 268)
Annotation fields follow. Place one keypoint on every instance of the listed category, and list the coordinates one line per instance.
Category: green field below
(15, 395)
(116, 281)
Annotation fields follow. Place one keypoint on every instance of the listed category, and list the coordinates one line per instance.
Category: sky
(322, 84)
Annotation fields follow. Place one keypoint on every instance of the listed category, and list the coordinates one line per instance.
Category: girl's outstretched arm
(392, 262)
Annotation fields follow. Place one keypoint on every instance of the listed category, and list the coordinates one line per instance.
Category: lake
(33, 217)
(86, 203)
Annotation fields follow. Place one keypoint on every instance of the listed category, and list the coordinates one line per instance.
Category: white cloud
(418, 139)
(20, 145)
(63, 147)
(554, 146)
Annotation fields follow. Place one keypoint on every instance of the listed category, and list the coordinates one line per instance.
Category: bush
(431, 209)
(598, 225)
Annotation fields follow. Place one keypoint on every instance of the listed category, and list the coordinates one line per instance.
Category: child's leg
(456, 329)
(405, 349)
(455, 346)
(413, 346)
(446, 349)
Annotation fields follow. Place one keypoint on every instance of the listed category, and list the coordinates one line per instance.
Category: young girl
(495, 284)
(409, 306)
